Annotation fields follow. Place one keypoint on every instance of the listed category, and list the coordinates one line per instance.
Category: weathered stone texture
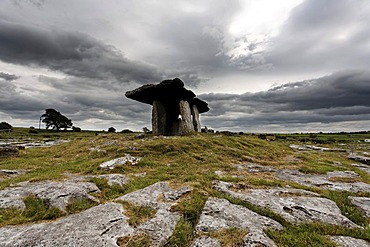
(186, 122)
(98, 226)
(219, 214)
(170, 100)
(345, 241)
(295, 205)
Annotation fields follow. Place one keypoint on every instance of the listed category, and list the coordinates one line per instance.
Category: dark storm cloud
(342, 96)
(323, 35)
(73, 53)
(8, 77)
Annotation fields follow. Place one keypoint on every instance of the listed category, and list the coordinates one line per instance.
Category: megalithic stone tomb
(175, 109)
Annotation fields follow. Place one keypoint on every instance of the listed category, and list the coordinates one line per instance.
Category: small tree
(5, 126)
(53, 118)
(111, 130)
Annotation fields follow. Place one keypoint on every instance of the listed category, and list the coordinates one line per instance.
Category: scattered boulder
(295, 205)
(98, 226)
(125, 160)
(345, 241)
(219, 214)
(363, 203)
(57, 194)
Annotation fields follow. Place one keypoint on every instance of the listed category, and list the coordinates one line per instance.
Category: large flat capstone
(98, 226)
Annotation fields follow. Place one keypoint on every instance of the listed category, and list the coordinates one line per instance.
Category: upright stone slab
(186, 125)
(195, 115)
(159, 118)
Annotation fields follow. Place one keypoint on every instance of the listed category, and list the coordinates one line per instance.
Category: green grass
(36, 210)
(190, 160)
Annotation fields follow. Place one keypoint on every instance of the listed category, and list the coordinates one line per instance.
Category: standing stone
(159, 118)
(186, 125)
(195, 114)
(170, 99)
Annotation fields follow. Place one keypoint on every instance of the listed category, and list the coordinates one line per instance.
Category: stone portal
(175, 109)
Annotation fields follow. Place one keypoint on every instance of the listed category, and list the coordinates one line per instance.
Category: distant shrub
(125, 131)
(32, 130)
(111, 130)
(76, 129)
(5, 126)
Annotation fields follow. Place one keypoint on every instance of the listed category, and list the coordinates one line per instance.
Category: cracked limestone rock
(205, 241)
(159, 228)
(363, 203)
(98, 226)
(323, 182)
(127, 159)
(295, 205)
(57, 194)
(344, 241)
(219, 214)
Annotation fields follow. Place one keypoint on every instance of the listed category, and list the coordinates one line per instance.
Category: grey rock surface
(205, 241)
(160, 197)
(5, 174)
(112, 179)
(344, 241)
(362, 167)
(98, 226)
(315, 148)
(57, 194)
(255, 168)
(342, 174)
(322, 181)
(125, 160)
(363, 203)
(219, 214)
(359, 158)
(295, 205)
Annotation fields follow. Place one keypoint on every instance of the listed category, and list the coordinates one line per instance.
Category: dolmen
(175, 109)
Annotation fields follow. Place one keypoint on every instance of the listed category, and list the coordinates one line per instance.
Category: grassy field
(189, 160)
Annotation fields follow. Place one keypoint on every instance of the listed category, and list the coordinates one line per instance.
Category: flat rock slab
(98, 226)
(315, 148)
(125, 160)
(57, 194)
(112, 179)
(219, 214)
(344, 241)
(160, 197)
(255, 168)
(359, 158)
(205, 241)
(363, 203)
(295, 205)
(5, 174)
(362, 167)
(322, 181)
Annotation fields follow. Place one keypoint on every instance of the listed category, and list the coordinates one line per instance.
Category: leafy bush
(5, 126)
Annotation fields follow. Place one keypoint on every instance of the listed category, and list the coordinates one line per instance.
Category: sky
(262, 65)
